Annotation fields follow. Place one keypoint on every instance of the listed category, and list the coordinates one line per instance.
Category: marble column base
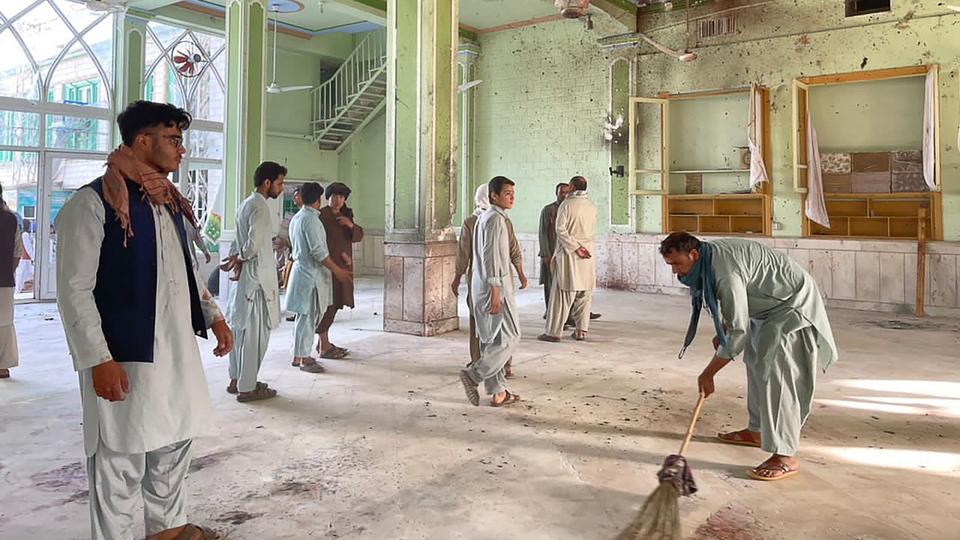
(417, 298)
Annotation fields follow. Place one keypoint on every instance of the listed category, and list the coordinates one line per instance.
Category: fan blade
(293, 88)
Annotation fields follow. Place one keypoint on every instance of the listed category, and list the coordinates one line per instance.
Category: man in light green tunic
(309, 289)
(769, 310)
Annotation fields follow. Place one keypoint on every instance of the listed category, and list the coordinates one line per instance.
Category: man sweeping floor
(766, 307)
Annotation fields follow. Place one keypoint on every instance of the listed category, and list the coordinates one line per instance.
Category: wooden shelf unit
(876, 215)
(726, 214)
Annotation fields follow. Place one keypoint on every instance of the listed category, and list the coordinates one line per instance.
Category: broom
(659, 519)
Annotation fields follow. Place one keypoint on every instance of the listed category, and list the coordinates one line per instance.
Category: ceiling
(358, 16)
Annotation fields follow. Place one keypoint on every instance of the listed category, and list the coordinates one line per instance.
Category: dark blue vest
(126, 290)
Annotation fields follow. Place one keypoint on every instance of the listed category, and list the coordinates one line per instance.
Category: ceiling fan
(273, 87)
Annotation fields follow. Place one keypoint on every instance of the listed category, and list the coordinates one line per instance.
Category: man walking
(255, 305)
(768, 308)
(132, 305)
(309, 289)
(575, 270)
(494, 306)
(465, 260)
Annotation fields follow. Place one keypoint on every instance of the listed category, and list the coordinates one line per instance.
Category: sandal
(508, 399)
(232, 387)
(508, 369)
(738, 438)
(579, 336)
(261, 392)
(334, 353)
(470, 388)
(311, 366)
(548, 338)
(783, 469)
(198, 532)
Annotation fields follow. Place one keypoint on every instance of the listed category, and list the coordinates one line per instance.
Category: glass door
(63, 174)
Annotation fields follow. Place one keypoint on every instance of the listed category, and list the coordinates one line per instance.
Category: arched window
(188, 68)
(56, 102)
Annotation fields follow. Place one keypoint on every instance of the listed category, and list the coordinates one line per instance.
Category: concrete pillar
(420, 244)
(246, 25)
(466, 173)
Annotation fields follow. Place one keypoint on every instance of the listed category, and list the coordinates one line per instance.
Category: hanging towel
(816, 208)
(929, 142)
(758, 171)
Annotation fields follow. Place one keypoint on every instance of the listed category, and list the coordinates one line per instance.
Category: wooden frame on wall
(866, 215)
(726, 214)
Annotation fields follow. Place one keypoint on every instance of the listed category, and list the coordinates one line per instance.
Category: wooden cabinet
(726, 214)
(880, 215)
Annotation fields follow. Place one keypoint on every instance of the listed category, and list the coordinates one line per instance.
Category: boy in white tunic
(131, 306)
(494, 306)
(767, 308)
(254, 306)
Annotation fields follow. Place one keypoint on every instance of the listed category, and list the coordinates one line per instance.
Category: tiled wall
(856, 274)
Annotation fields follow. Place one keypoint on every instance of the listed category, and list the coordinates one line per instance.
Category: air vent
(719, 26)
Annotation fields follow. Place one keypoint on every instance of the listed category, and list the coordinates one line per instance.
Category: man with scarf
(574, 269)
(494, 306)
(254, 306)
(310, 286)
(481, 199)
(131, 305)
(768, 308)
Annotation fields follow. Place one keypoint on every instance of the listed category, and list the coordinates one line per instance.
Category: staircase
(342, 104)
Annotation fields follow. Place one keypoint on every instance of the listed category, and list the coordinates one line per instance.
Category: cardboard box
(870, 162)
(837, 183)
(870, 182)
(694, 184)
(835, 163)
(908, 182)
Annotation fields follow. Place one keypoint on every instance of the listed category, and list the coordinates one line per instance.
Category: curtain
(758, 171)
(816, 208)
(929, 142)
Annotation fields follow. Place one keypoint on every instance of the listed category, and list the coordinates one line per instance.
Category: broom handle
(693, 423)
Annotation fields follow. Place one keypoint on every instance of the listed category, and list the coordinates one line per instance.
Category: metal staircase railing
(343, 102)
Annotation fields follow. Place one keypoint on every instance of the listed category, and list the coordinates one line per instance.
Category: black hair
(310, 192)
(578, 183)
(339, 188)
(142, 115)
(681, 242)
(496, 184)
(268, 170)
(557, 188)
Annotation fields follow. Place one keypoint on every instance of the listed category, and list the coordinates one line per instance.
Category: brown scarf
(122, 163)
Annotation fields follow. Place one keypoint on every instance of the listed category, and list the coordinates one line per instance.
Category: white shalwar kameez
(141, 444)
(254, 307)
(499, 334)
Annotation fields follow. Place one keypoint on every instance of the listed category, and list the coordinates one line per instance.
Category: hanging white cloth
(929, 141)
(758, 171)
(816, 208)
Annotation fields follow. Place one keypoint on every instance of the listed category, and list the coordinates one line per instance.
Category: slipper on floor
(312, 366)
(470, 388)
(736, 438)
(259, 394)
(232, 387)
(548, 338)
(581, 338)
(784, 470)
(334, 353)
(509, 399)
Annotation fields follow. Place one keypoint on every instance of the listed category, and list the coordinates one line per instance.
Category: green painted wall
(704, 135)
(362, 166)
(783, 40)
(540, 113)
